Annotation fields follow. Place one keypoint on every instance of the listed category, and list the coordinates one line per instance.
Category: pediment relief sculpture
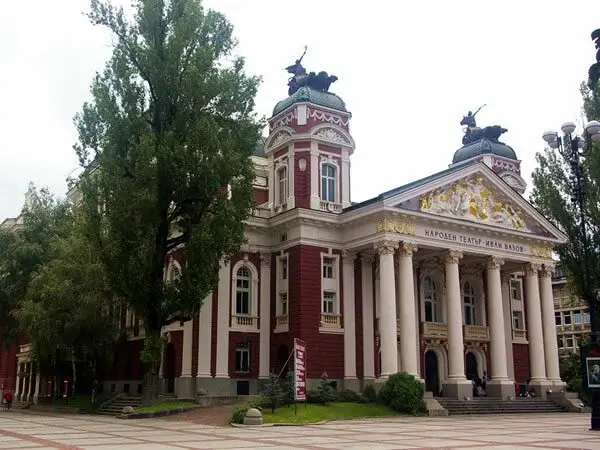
(471, 199)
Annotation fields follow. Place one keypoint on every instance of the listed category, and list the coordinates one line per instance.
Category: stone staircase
(115, 407)
(489, 405)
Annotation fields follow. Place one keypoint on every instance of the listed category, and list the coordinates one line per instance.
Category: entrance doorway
(471, 367)
(169, 367)
(432, 372)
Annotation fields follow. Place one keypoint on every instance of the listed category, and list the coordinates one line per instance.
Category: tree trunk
(74, 372)
(152, 355)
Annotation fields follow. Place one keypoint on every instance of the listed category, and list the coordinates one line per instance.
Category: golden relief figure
(471, 199)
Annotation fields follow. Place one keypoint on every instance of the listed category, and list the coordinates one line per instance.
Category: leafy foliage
(369, 393)
(403, 393)
(166, 143)
(325, 392)
(551, 195)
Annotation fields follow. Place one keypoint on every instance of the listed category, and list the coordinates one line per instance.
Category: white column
(265, 314)
(36, 388)
(549, 325)
(408, 313)
(315, 170)
(205, 337)
(456, 366)
(18, 381)
(348, 259)
(507, 312)
(457, 384)
(223, 316)
(534, 323)
(387, 321)
(345, 178)
(496, 320)
(368, 317)
(186, 356)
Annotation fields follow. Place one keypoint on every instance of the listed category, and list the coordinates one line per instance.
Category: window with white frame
(586, 318)
(433, 304)
(577, 317)
(515, 290)
(469, 303)
(517, 317)
(243, 291)
(567, 317)
(328, 268)
(329, 303)
(283, 304)
(329, 183)
(242, 357)
(282, 185)
(569, 343)
(558, 318)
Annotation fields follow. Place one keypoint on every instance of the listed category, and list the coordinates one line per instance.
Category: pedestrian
(8, 398)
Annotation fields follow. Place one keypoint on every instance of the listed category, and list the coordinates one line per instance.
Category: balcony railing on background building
(431, 330)
(476, 333)
(244, 321)
(330, 320)
(519, 335)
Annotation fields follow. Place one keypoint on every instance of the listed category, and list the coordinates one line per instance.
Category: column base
(500, 388)
(558, 386)
(457, 388)
(352, 383)
(541, 387)
(185, 387)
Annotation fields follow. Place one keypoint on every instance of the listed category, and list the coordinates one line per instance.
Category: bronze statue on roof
(473, 133)
(318, 82)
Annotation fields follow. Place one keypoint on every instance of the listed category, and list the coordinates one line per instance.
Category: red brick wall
(521, 362)
(330, 149)
(177, 340)
(253, 339)
(261, 196)
(325, 352)
(8, 364)
(302, 180)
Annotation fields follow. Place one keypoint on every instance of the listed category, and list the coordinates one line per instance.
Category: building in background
(571, 313)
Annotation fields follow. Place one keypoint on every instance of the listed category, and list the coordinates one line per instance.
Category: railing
(519, 335)
(244, 321)
(434, 330)
(330, 206)
(476, 333)
(330, 320)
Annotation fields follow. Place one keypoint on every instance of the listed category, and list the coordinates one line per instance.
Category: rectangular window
(567, 318)
(558, 318)
(515, 290)
(559, 341)
(569, 342)
(329, 303)
(517, 320)
(469, 315)
(284, 268)
(577, 317)
(283, 302)
(283, 183)
(586, 318)
(242, 297)
(328, 266)
(242, 357)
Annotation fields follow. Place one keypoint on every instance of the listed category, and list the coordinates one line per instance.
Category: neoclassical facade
(446, 278)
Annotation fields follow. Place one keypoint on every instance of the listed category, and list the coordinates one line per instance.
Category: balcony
(330, 321)
(244, 322)
(431, 330)
(476, 333)
(519, 335)
(330, 206)
(281, 324)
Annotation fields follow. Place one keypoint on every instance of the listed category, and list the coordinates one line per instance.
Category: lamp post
(573, 148)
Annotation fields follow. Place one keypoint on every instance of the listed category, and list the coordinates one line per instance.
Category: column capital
(532, 269)
(265, 260)
(348, 257)
(367, 258)
(452, 257)
(407, 249)
(547, 270)
(386, 247)
(505, 277)
(494, 263)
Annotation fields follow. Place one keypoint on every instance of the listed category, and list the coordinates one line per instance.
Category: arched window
(433, 305)
(282, 180)
(243, 291)
(469, 303)
(329, 183)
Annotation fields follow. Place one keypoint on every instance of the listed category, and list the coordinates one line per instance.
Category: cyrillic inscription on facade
(465, 239)
(395, 226)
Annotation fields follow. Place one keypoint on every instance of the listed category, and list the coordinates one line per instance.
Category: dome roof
(483, 146)
(306, 94)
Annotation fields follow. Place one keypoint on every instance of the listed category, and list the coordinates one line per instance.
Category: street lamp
(573, 148)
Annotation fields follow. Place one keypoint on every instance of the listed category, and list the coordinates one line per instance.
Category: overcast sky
(408, 71)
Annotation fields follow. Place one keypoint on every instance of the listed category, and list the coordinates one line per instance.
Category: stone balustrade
(476, 333)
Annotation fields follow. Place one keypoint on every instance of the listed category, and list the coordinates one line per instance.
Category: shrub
(369, 393)
(312, 397)
(240, 412)
(347, 395)
(272, 395)
(403, 393)
(325, 391)
(288, 389)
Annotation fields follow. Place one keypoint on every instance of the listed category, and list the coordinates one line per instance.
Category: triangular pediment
(478, 195)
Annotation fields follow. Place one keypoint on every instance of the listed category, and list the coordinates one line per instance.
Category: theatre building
(446, 278)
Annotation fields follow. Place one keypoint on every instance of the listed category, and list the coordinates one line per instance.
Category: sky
(408, 71)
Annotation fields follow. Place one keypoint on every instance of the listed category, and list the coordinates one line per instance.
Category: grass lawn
(309, 413)
(163, 406)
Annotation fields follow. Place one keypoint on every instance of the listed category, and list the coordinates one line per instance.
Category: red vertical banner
(299, 370)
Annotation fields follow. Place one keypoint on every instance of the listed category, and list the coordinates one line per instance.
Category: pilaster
(348, 259)
(223, 317)
(265, 314)
(205, 337)
(507, 312)
(368, 317)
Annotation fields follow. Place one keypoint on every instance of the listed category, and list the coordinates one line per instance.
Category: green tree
(25, 249)
(551, 195)
(166, 143)
(325, 392)
(272, 393)
(69, 310)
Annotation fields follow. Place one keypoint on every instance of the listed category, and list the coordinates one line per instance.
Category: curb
(149, 415)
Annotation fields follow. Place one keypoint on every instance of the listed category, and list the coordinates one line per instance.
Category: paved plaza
(533, 431)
